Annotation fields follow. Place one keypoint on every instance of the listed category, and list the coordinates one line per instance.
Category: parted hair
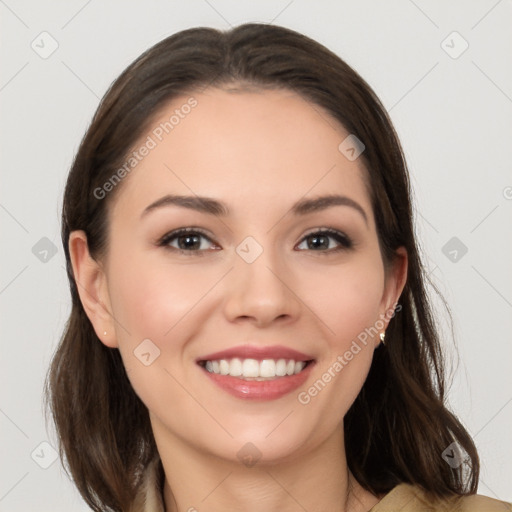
(400, 424)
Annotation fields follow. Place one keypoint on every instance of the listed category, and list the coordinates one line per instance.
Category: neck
(316, 481)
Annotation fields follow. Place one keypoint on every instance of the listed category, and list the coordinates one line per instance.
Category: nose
(261, 292)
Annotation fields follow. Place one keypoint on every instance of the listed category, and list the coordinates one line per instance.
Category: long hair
(399, 425)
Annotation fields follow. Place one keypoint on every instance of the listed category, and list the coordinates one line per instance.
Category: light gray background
(454, 119)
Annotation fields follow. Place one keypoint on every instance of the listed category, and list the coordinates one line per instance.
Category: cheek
(347, 298)
(157, 303)
(151, 299)
(161, 302)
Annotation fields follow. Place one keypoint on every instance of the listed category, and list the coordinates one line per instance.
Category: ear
(92, 287)
(396, 277)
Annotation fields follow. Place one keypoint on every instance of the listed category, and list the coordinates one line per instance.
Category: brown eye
(186, 240)
(325, 241)
(189, 242)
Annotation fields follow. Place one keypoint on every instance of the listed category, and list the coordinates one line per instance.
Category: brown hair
(398, 427)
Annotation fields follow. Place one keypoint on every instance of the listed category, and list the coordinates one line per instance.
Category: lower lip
(260, 389)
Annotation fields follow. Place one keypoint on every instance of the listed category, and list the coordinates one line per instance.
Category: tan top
(403, 498)
(408, 498)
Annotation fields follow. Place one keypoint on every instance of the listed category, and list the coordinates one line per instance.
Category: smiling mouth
(254, 369)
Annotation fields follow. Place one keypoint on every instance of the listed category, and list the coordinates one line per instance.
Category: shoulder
(477, 503)
(410, 498)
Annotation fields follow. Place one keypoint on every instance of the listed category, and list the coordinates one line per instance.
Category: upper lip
(257, 352)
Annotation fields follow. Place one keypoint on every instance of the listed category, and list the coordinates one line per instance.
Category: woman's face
(267, 268)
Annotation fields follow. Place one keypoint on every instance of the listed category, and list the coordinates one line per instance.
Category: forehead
(243, 147)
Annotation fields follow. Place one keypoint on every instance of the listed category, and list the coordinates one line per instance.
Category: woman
(250, 328)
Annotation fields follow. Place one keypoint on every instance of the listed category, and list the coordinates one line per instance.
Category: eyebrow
(219, 209)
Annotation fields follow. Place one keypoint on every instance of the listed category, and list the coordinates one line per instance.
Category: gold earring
(383, 337)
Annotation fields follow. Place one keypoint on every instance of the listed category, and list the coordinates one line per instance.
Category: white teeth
(268, 368)
(224, 367)
(235, 367)
(250, 368)
(254, 369)
(281, 368)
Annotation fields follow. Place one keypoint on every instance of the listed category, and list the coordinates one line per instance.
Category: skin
(258, 152)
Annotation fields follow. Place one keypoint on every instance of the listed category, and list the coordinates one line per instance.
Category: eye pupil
(189, 242)
(318, 241)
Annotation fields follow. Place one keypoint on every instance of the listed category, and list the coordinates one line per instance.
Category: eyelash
(345, 243)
